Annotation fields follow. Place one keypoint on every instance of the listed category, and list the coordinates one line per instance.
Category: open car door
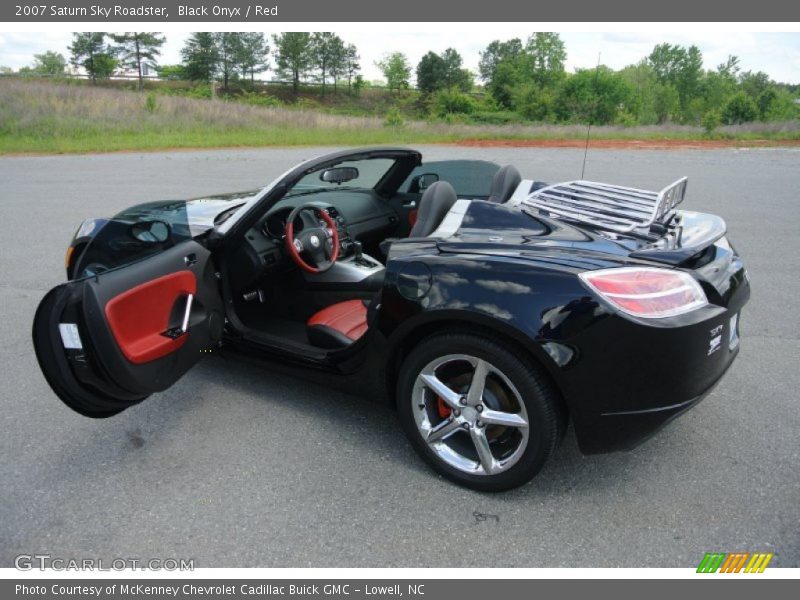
(108, 341)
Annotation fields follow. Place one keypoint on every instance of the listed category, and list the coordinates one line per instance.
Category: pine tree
(138, 48)
(293, 55)
(89, 51)
(201, 56)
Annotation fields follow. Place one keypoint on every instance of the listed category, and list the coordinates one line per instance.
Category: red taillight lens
(647, 292)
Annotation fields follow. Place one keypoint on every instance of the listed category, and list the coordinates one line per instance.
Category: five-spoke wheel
(476, 412)
(470, 414)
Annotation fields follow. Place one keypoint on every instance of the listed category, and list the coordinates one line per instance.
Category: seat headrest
(435, 203)
(505, 181)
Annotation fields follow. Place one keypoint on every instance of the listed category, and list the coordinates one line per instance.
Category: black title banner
(407, 11)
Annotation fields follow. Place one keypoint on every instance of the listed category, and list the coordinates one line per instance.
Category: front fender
(85, 233)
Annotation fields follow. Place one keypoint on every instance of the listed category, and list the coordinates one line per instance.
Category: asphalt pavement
(239, 466)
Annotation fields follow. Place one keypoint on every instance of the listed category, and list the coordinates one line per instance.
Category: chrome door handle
(190, 259)
(175, 332)
(186, 312)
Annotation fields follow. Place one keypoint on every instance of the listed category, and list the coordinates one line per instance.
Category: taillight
(646, 291)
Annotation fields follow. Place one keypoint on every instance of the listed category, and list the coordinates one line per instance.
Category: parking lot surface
(239, 466)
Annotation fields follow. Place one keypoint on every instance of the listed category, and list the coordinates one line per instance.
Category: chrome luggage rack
(609, 207)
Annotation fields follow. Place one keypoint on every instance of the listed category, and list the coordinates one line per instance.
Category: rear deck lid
(607, 206)
(689, 234)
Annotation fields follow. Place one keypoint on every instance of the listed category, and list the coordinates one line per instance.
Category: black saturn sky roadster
(488, 308)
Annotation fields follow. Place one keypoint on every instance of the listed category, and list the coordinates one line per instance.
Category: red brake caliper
(441, 405)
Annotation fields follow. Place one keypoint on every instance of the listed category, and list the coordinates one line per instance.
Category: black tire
(542, 404)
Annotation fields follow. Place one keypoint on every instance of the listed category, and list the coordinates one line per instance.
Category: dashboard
(275, 223)
(360, 215)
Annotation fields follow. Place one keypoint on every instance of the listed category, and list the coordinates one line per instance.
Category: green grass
(85, 140)
(46, 117)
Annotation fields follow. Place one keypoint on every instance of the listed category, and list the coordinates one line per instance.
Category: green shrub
(171, 72)
(150, 103)
(739, 109)
(626, 119)
(694, 112)
(306, 104)
(454, 119)
(533, 102)
(200, 91)
(777, 105)
(256, 99)
(452, 101)
(501, 117)
(359, 84)
(711, 120)
(485, 103)
(394, 118)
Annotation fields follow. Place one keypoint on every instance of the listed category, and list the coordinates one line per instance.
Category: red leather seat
(339, 325)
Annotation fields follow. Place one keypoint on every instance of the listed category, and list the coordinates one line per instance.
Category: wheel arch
(406, 338)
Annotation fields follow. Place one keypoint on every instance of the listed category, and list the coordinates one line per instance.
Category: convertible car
(489, 309)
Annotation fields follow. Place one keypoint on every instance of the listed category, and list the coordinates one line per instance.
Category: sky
(778, 54)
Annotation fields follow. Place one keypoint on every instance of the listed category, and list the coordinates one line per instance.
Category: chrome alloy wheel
(470, 414)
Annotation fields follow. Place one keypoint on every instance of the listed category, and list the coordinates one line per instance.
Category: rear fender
(537, 308)
(404, 338)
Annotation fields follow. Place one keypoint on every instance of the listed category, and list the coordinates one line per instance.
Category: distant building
(148, 70)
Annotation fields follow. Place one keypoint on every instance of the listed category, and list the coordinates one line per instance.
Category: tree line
(519, 80)
(324, 56)
(100, 54)
(668, 85)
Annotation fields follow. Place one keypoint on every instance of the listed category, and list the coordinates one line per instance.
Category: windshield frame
(238, 223)
(308, 183)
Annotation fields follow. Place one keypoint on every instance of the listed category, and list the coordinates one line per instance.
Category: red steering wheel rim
(296, 255)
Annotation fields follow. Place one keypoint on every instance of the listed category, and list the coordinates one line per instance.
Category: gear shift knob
(358, 250)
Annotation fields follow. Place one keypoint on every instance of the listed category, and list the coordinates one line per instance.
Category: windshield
(146, 229)
(470, 178)
(367, 173)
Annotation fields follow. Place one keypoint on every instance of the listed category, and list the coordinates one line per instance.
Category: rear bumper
(630, 379)
(624, 430)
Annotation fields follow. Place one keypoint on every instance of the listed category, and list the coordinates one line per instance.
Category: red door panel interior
(139, 316)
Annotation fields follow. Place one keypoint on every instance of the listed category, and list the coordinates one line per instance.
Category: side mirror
(150, 232)
(422, 182)
(339, 175)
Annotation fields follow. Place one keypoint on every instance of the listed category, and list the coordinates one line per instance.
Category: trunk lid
(692, 241)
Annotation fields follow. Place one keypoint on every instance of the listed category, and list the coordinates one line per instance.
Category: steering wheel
(314, 249)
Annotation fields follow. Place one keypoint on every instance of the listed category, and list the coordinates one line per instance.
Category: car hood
(198, 215)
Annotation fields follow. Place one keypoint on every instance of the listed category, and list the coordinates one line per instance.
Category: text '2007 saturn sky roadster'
(489, 309)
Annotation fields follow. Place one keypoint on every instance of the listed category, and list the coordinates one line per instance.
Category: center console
(353, 267)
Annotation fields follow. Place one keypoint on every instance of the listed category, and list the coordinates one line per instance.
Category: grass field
(43, 117)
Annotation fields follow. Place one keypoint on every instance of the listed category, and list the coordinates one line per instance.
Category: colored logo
(735, 562)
